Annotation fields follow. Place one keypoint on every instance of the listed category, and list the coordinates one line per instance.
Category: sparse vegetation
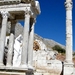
(74, 54)
(59, 49)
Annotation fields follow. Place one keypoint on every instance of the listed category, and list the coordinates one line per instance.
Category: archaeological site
(24, 53)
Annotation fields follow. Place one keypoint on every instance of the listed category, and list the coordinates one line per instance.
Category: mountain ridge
(48, 42)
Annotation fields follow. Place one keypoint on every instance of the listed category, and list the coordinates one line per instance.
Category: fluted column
(24, 55)
(30, 47)
(11, 44)
(3, 34)
(69, 49)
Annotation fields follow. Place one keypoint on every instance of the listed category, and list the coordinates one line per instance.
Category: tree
(74, 54)
(59, 49)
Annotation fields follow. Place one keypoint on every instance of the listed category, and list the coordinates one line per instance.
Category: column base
(68, 68)
(30, 67)
(24, 66)
(8, 65)
(68, 61)
(1, 64)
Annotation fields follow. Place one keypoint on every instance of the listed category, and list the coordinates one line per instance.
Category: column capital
(27, 12)
(4, 14)
(68, 5)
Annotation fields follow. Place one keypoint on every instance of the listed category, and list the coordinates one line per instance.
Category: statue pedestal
(68, 69)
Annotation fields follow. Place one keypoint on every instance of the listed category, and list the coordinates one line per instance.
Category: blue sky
(51, 22)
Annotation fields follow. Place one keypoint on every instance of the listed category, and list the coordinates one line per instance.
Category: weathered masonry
(68, 64)
(13, 11)
(27, 10)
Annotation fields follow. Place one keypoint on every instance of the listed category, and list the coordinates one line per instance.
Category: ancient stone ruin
(21, 58)
(13, 11)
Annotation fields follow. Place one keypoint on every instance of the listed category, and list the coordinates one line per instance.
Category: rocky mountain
(48, 42)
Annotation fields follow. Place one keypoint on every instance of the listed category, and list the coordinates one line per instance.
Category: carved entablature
(18, 7)
(7, 2)
(28, 1)
(68, 5)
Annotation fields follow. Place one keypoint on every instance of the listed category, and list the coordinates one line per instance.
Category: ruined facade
(13, 11)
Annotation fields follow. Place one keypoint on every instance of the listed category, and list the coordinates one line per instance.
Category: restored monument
(13, 11)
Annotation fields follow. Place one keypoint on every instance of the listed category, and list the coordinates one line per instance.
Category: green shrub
(74, 54)
(59, 49)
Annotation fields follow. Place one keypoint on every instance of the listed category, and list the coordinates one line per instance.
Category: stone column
(69, 49)
(11, 44)
(3, 35)
(68, 64)
(30, 48)
(24, 55)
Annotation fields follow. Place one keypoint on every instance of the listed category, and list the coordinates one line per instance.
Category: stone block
(68, 69)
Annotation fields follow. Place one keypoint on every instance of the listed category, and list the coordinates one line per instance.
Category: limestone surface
(43, 60)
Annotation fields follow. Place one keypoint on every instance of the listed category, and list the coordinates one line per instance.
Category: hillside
(48, 42)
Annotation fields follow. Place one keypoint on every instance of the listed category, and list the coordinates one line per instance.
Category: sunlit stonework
(21, 58)
(13, 11)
